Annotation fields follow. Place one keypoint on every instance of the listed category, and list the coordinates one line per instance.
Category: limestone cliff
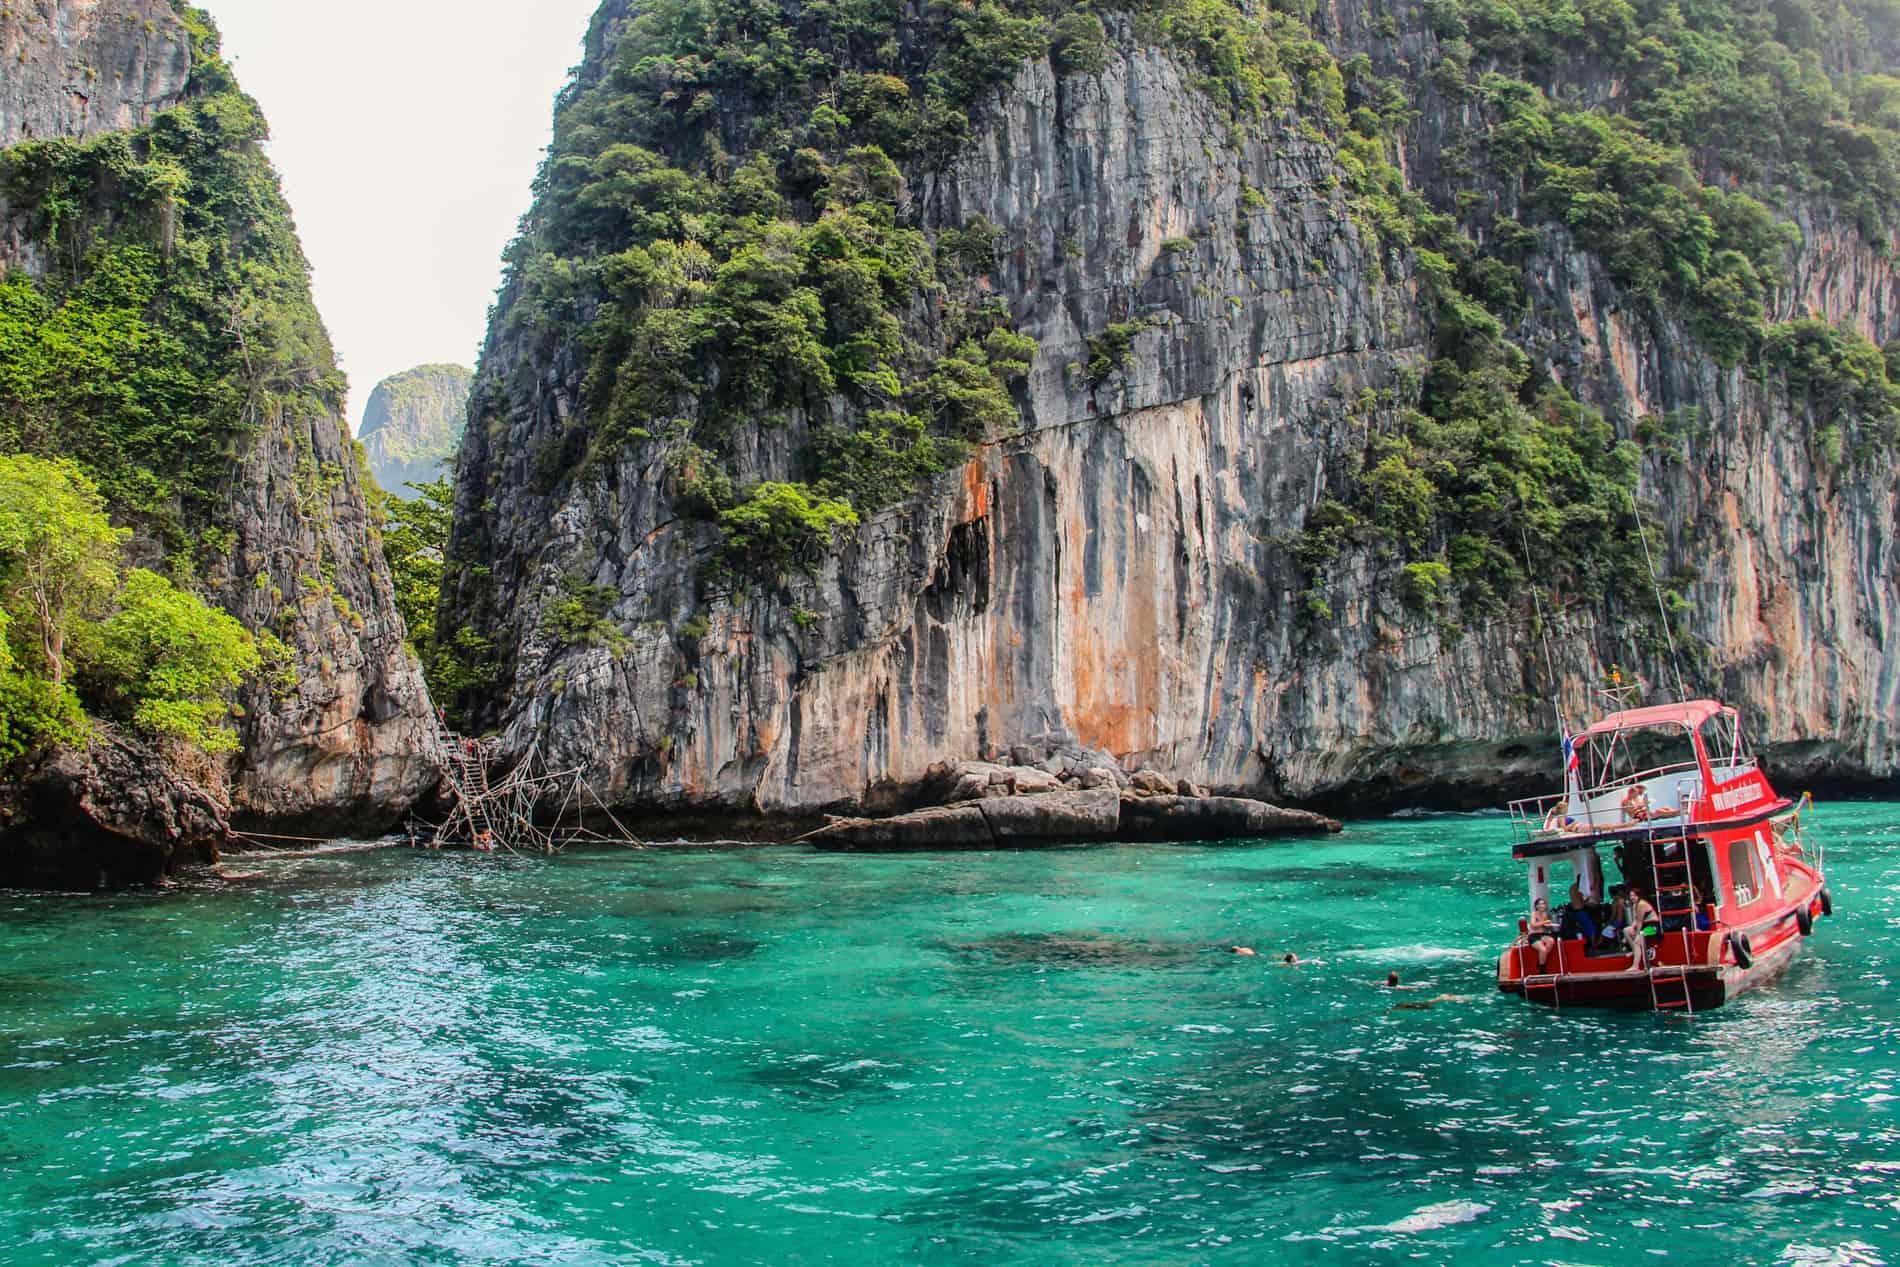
(142, 212)
(76, 68)
(1122, 572)
(412, 424)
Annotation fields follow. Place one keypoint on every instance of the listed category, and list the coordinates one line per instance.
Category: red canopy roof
(1691, 713)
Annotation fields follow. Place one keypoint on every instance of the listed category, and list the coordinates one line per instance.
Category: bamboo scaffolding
(510, 813)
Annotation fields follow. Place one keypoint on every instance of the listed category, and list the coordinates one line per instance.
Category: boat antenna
(1655, 586)
(1543, 630)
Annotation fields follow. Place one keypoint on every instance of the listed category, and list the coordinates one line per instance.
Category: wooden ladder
(469, 773)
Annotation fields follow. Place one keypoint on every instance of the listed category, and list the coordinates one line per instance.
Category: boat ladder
(1545, 981)
(1669, 989)
(1675, 904)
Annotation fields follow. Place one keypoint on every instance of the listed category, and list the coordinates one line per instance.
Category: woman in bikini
(1541, 932)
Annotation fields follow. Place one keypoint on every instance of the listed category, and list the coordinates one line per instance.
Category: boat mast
(1655, 586)
(1543, 631)
(1573, 787)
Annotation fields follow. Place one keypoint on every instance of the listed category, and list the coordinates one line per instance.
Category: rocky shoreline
(1064, 801)
(111, 815)
(117, 815)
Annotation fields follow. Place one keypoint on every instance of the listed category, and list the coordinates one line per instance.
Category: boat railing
(1531, 817)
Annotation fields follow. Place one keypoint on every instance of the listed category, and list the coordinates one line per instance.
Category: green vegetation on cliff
(82, 635)
(171, 309)
(1714, 122)
(155, 313)
(724, 228)
(724, 231)
(1676, 143)
(412, 424)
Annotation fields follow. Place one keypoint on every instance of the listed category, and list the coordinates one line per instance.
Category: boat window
(1702, 871)
(1741, 869)
(1727, 747)
(1767, 861)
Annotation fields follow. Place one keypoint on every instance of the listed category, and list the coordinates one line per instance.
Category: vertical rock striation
(268, 508)
(1117, 577)
(76, 68)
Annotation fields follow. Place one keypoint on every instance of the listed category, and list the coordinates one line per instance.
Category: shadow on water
(818, 1081)
(707, 947)
(1078, 950)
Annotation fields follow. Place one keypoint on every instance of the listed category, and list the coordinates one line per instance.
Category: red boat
(1717, 887)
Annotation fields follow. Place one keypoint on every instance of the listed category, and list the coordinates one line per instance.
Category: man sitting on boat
(1616, 924)
(1578, 919)
(1542, 933)
(1636, 806)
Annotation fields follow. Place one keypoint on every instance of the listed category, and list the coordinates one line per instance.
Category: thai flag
(1573, 790)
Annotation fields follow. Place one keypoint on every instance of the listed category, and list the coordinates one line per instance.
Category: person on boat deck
(1636, 806)
(1541, 933)
(1704, 910)
(1579, 920)
(1617, 921)
(1643, 924)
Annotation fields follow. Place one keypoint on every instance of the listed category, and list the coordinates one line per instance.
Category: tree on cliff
(61, 553)
(82, 635)
(415, 531)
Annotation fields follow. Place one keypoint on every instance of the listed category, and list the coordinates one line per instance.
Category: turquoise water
(788, 1057)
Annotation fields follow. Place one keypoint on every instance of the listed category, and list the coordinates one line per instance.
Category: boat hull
(1629, 990)
(1696, 971)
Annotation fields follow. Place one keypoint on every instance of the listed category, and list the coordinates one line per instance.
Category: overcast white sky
(407, 132)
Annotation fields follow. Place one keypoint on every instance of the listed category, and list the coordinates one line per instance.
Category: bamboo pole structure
(530, 809)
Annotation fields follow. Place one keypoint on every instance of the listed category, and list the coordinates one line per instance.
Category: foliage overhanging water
(780, 1056)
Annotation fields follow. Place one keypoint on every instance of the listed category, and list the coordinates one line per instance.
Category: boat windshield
(1722, 739)
(1622, 756)
(1644, 775)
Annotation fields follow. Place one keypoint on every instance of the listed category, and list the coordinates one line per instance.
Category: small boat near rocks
(1718, 887)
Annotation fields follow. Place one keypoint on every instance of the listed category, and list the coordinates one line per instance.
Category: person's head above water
(1290, 957)
(1392, 978)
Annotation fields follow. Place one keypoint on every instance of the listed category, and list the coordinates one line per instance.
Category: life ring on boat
(1827, 904)
(1804, 920)
(1743, 952)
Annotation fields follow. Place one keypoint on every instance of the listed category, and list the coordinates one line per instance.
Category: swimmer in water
(1241, 950)
(1392, 978)
(1426, 1004)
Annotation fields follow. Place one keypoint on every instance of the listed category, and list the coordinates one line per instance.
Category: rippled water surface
(788, 1057)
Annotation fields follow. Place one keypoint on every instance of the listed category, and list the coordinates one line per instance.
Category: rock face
(412, 424)
(1068, 817)
(1116, 577)
(110, 816)
(353, 744)
(344, 739)
(80, 67)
